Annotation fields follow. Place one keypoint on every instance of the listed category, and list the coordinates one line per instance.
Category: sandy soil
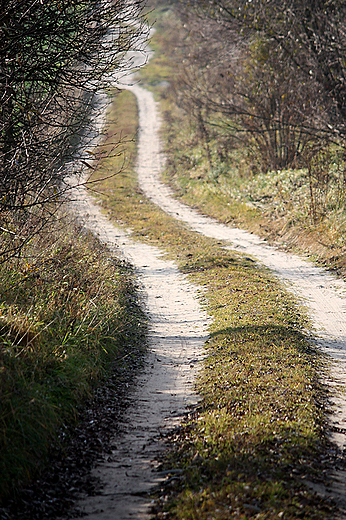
(165, 390)
(179, 329)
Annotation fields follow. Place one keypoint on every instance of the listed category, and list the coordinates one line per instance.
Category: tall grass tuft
(67, 312)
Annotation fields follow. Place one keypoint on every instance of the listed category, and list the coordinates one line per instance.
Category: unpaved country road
(321, 293)
(165, 389)
(179, 329)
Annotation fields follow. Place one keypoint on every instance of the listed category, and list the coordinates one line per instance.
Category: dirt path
(321, 293)
(179, 329)
(164, 391)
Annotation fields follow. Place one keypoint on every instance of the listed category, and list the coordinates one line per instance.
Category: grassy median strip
(68, 313)
(259, 432)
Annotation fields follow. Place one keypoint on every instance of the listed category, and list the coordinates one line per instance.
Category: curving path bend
(322, 294)
(179, 328)
(164, 392)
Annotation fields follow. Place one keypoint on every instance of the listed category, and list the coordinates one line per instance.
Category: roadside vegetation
(259, 435)
(217, 161)
(54, 57)
(68, 311)
(68, 314)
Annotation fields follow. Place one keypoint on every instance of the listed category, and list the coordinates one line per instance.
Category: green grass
(259, 431)
(67, 313)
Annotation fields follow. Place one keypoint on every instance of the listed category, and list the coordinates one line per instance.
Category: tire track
(322, 294)
(179, 329)
(164, 391)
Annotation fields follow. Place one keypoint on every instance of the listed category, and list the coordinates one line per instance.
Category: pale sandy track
(164, 390)
(179, 328)
(321, 293)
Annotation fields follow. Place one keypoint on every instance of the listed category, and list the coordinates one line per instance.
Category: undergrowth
(68, 311)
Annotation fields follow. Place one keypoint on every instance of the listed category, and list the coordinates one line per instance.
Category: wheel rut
(164, 392)
(322, 294)
(179, 329)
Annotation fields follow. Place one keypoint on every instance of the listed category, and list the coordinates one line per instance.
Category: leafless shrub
(54, 56)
